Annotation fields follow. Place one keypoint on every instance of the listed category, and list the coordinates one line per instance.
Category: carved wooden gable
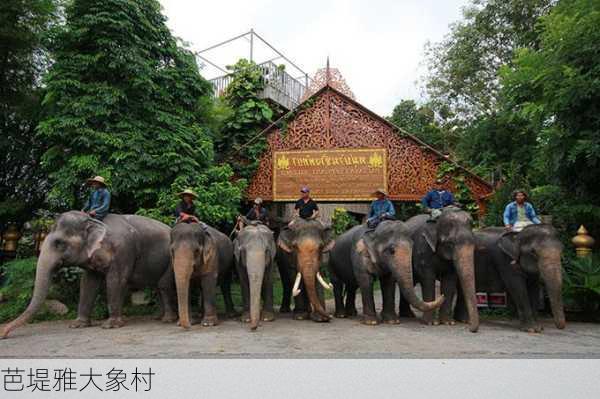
(330, 120)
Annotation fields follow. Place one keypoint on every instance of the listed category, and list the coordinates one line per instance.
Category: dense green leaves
(123, 100)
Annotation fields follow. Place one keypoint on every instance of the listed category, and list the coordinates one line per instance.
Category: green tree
(557, 88)
(124, 100)
(24, 27)
(463, 67)
(240, 138)
(421, 122)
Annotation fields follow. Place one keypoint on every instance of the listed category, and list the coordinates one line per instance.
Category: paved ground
(342, 338)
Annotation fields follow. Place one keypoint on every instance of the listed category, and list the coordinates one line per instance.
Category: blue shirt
(98, 201)
(511, 213)
(437, 200)
(381, 207)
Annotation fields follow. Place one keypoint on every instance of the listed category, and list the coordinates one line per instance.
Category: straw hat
(188, 191)
(97, 179)
(380, 190)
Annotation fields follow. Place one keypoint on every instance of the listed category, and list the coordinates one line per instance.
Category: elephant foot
(319, 318)
(447, 322)
(169, 318)
(209, 321)
(268, 315)
(79, 323)
(245, 318)
(370, 320)
(301, 316)
(339, 315)
(351, 312)
(232, 314)
(115, 322)
(285, 309)
(185, 326)
(532, 328)
(428, 322)
(390, 318)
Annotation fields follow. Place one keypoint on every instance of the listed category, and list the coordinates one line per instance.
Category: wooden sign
(332, 175)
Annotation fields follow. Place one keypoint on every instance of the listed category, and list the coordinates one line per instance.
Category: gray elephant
(515, 263)
(444, 250)
(306, 241)
(362, 254)
(254, 250)
(203, 256)
(124, 251)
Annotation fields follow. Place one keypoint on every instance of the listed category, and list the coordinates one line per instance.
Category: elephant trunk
(464, 263)
(183, 267)
(255, 265)
(309, 277)
(46, 264)
(403, 273)
(550, 269)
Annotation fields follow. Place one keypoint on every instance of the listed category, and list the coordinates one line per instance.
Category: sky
(377, 45)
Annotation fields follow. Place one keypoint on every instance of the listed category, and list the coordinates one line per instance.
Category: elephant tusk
(326, 285)
(296, 289)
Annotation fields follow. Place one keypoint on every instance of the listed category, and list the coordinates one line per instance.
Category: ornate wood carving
(333, 120)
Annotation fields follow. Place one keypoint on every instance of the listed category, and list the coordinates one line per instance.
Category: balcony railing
(280, 86)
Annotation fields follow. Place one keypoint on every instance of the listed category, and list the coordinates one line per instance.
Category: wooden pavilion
(343, 152)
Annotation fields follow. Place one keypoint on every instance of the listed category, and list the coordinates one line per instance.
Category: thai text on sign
(332, 175)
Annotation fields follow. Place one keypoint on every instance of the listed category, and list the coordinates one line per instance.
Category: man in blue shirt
(438, 198)
(519, 213)
(382, 208)
(99, 201)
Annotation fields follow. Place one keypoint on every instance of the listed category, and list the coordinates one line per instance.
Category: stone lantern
(583, 242)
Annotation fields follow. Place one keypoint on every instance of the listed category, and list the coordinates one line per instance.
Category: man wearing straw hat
(99, 200)
(186, 210)
(381, 209)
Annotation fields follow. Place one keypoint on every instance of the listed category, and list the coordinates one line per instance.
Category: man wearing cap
(382, 208)
(305, 207)
(186, 210)
(436, 199)
(99, 200)
(258, 212)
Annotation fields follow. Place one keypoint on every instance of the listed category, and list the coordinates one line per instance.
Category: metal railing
(280, 86)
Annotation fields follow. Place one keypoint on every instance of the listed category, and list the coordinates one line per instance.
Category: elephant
(444, 250)
(306, 241)
(362, 254)
(126, 251)
(254, 251)
(515, 263)
(201, 255)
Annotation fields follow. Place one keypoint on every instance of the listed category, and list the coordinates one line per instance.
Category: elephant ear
(95, 233)
(236, 250)
(328, 240)
(285, 240)
(365, 247)
(209, 252)
(430, 235)
(509, 244)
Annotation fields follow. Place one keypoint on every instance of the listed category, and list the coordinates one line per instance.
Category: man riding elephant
(98, 203)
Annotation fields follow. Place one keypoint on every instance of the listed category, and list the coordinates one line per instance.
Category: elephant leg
(460, 309)
(301, 304)
(365, 282)
(268, 313)
(518, 292)
(167, 296)
(404, 308)
(428, 289)
(245, 288)
(286, 285)
(88, 291)
(448, 287)
(226, 290)
(116, 289)
(350, 308)
(338, 295)
(533, 292)
(209, 296)
(388, 292)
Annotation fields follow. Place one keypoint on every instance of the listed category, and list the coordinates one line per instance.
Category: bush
(341, 221)
(581, 283)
